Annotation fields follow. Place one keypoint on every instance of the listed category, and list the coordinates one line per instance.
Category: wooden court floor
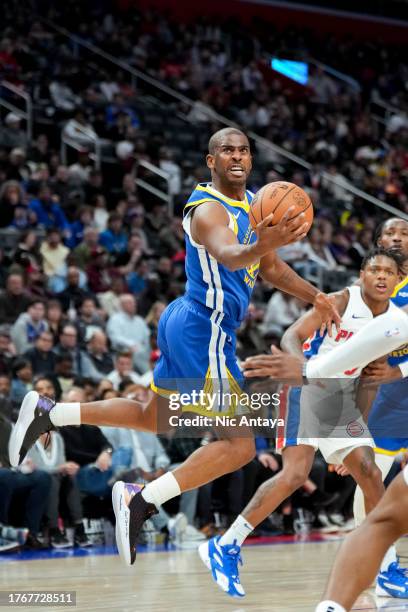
(277, 578)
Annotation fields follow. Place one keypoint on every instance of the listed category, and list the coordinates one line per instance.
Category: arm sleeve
(381, 336)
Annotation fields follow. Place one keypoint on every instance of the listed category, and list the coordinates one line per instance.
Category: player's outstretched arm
(210, 228)
(382, 335)
(275, 271)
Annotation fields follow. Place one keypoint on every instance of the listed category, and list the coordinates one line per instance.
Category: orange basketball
(276, 198)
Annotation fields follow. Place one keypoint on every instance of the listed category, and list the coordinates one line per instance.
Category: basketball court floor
(284, 574)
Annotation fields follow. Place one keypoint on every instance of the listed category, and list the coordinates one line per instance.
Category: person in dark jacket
(41, 356)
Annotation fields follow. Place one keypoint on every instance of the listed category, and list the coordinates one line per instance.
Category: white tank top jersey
(355, 317)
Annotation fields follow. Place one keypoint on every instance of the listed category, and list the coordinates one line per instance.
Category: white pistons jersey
(355, 317)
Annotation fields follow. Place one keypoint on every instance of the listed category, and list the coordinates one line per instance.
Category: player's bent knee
(292, 480)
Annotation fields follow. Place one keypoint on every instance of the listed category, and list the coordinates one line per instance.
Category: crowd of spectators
(89, 260)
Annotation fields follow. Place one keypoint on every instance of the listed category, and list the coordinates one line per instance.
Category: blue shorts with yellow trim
(197, 354)
(388, 418)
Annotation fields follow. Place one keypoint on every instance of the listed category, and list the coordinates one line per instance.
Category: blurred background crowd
(91, 253)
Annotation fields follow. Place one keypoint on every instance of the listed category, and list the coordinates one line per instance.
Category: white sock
(390, 557)
(236, 534)
(329, 606)
(162, 489)
(381, 336)
(66, 414)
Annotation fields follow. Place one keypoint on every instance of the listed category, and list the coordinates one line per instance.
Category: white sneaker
(177, 527)
(193, 534)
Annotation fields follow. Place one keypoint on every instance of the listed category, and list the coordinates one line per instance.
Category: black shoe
(129, 518)
(58, 539)
(33, 543)
(80, 537)
(33, 420)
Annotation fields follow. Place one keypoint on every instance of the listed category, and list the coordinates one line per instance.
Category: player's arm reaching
(210, 228)
(382, 335)
(294, 337)
(283, 277)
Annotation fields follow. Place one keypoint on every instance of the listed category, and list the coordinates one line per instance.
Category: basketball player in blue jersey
(357, 305)
(196, 337)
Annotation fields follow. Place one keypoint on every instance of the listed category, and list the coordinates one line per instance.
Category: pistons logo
(355, 429)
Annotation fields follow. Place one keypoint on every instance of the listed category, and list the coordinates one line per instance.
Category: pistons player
(307, 427)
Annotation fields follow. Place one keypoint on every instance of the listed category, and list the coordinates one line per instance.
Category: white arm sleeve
(382, 335)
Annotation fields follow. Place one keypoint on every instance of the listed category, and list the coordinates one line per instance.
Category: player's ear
(210, 161)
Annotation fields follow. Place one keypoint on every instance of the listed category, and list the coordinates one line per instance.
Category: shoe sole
(25, 418)
(122, 516)
(205, 558)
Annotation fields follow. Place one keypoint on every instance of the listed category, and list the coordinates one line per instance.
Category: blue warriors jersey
(208, 282)
(388, 420)
(196, 334)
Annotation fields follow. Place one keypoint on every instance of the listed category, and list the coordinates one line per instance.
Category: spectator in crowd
(29, 326)
(63, 96)
(27, 254)
(13, 299)
(48, 213)
(7, 350)
(127, 330)
(79, 130)
(55, 318)
(74, 294)
(88, 319)
(123, 370)
(11, 198)
(81, 363)
(88, 447)
(12, 135)
(98, 352)
(83, 252)
(114, 239)
(64, 377)
(53, 252)
(31, 488)
(99, 271)
(6, 406)
(21, 383)
(41, 355)
(48, 454)
(84, 220)
(110, 300)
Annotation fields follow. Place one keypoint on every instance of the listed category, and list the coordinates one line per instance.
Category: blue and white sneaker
(393, 582)
(223, 561)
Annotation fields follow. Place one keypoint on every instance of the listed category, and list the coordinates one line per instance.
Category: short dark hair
(216, 138)
(19, 364)
(380, 251)
(124, 353)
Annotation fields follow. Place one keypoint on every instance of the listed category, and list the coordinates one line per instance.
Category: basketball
(276, 198)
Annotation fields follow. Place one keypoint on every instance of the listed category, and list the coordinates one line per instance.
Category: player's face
(395, 236)
(232, 160)
(379, 277)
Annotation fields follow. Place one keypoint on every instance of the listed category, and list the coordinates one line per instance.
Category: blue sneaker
(223, 561)
(393, 582)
